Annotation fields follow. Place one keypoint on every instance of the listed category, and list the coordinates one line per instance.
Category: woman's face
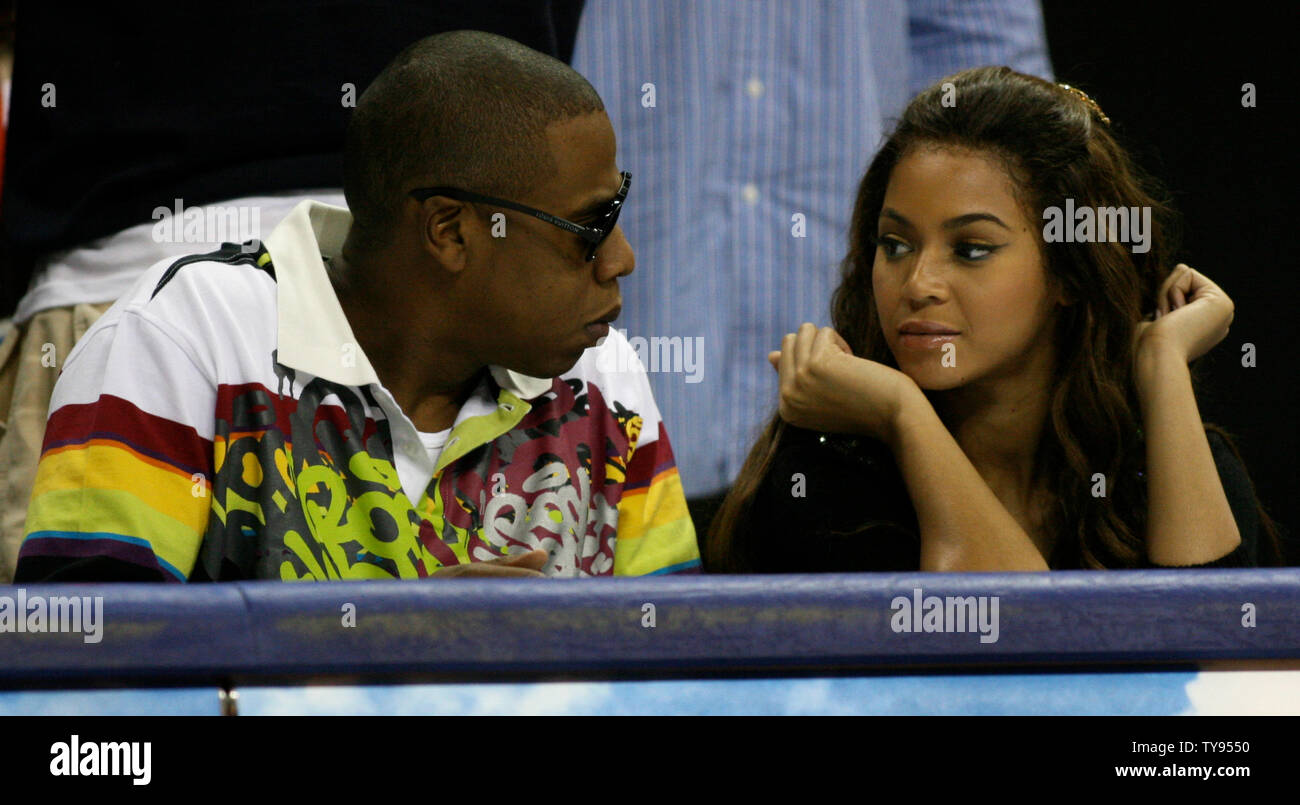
(958, 277)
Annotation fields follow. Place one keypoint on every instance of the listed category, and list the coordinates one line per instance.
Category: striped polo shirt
(221, 422)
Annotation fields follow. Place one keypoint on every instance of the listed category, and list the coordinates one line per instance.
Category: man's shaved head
(463, 109)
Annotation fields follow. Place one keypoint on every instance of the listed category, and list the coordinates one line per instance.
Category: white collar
(314, 334)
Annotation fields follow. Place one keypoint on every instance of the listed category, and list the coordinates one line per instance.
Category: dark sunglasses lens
(610, 219)
(606, 227)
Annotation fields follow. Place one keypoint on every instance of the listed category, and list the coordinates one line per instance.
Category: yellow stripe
(662, 502)
(107, 466)
(660, 547)
(654, 529)
(641, 490)
(90, 510)
(138, 456)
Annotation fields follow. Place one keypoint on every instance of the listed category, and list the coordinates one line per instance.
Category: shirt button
(755, 88)
(749, 193)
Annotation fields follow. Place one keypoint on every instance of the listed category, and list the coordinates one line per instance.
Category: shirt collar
(314, 334)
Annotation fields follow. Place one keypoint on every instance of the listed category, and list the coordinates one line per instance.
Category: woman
(1012, 408)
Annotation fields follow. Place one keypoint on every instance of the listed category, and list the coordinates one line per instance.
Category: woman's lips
(922, 341)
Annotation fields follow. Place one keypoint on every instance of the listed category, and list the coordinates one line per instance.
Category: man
(86, 184)
(411, 392)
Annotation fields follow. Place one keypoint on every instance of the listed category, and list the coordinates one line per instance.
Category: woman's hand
(1189, 519)
(824, 387)
(1192, 315)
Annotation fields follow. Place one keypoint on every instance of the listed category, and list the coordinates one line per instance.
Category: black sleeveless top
(838, 503)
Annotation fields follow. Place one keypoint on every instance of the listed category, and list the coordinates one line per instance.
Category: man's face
(540, 298)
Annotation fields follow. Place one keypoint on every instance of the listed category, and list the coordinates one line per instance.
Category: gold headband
(1083, 96)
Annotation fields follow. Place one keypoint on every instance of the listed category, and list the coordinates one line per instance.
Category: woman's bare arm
(1189, 520)
(963, 524)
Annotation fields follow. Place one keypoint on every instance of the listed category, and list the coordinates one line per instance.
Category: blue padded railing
(481, 630)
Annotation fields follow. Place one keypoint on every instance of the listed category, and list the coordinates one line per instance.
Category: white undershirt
(414, 470)
(415, 454)
(434, 442)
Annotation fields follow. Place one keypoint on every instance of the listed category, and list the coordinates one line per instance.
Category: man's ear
(448, 225)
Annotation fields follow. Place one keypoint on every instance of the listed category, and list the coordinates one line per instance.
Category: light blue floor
(151, 702)
(1154, 693)
(1139, 694)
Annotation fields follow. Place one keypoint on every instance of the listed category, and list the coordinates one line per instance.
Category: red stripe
(115, 419)
(649, 461)
(284, 409)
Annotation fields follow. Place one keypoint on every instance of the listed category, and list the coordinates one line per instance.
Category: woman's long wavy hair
(1054, 146)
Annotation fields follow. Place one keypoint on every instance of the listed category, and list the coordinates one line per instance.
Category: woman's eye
(892, 247)
(974, 251)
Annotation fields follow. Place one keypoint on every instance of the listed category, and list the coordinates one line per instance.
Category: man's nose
(615, 257)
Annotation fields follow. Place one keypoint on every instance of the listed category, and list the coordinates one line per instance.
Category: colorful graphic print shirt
(221, 423)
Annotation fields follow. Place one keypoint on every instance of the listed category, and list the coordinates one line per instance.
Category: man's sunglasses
(594, 235)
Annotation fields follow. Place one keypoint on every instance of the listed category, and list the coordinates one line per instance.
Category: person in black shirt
(992, 396)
